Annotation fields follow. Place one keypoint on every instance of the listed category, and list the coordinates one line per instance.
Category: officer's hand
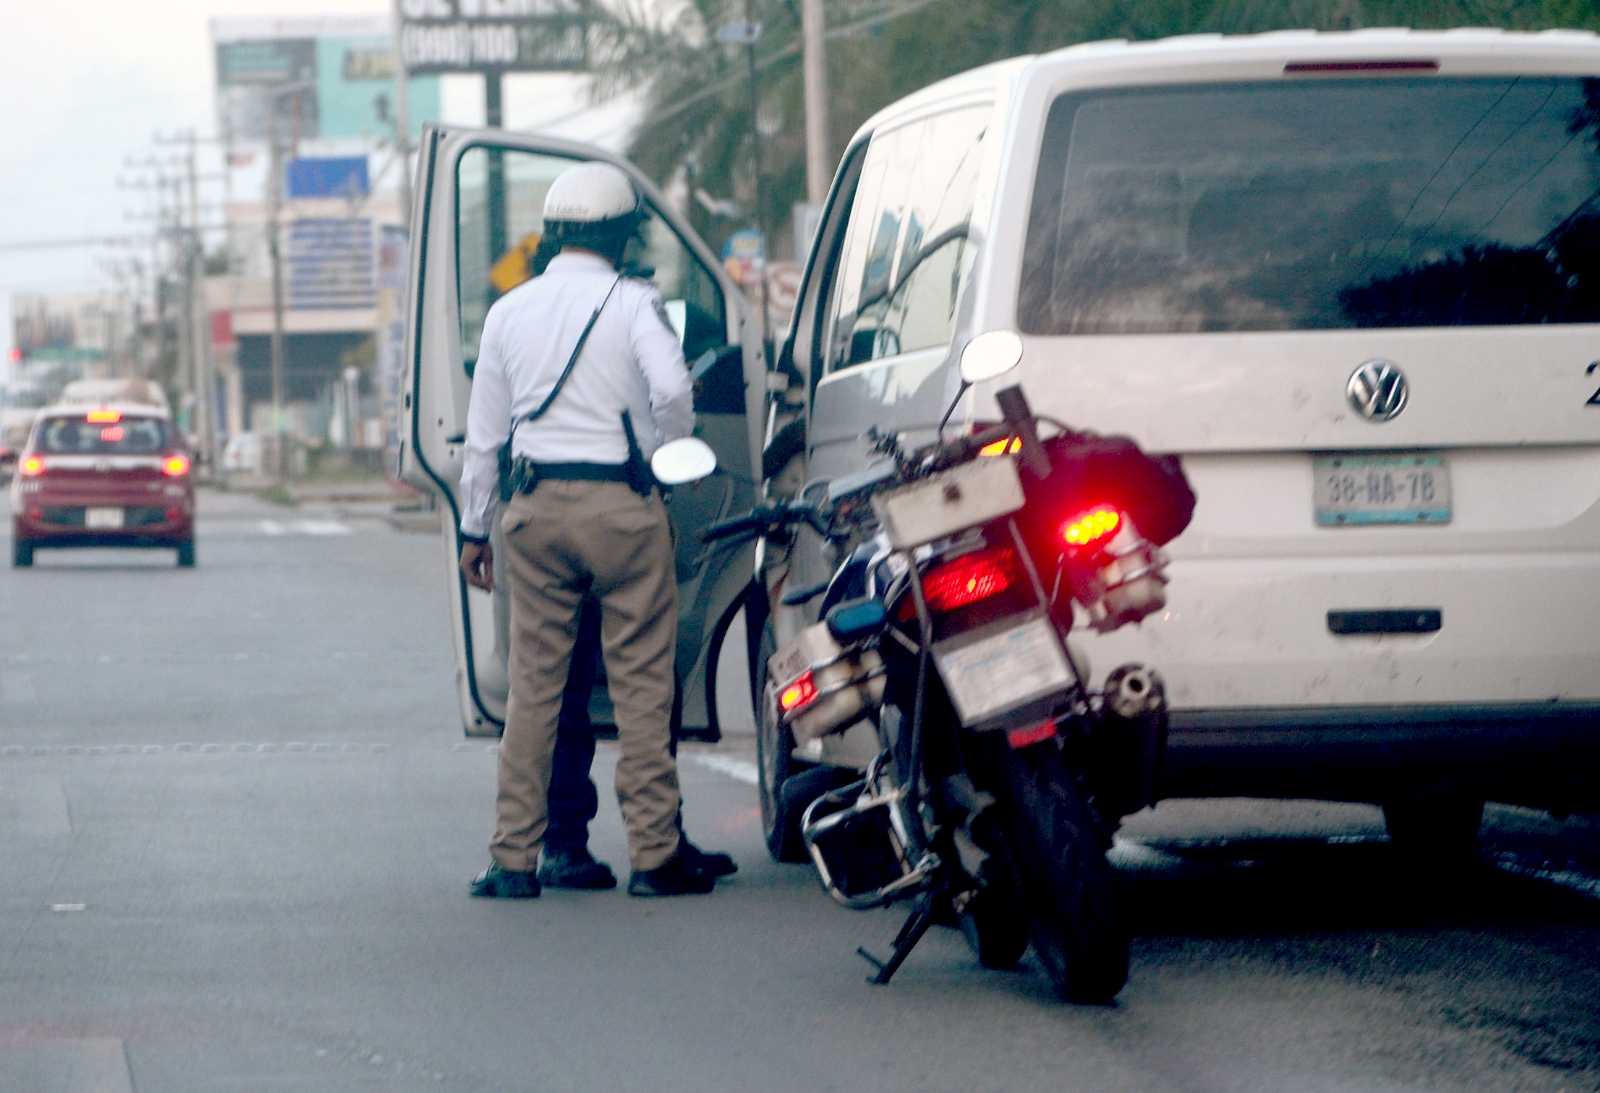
(477, 565)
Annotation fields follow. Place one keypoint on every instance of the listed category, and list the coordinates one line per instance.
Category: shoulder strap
(572, 360)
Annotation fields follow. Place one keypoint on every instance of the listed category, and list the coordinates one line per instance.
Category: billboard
(327, 78)
(330, 262)
(493, 35)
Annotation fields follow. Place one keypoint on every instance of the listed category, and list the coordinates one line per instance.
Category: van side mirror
(990, 354)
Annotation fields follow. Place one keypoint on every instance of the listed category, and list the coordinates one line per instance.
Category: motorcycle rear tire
(1068, 884)
(775, 766)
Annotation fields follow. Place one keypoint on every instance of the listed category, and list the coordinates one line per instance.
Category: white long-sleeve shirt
(632, 361)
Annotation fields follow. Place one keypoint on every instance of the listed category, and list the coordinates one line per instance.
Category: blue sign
(328, 176)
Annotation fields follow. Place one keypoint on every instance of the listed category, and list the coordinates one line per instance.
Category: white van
(1350, 278)
(1354, 281)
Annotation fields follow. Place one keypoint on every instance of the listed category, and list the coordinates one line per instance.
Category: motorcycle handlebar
(763, 522)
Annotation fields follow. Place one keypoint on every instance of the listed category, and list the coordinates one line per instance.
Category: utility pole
(814, 64)
(402, 119)
(274, 212)
(199, 322)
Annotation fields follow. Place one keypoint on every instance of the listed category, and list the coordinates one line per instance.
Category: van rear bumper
(1544, 755)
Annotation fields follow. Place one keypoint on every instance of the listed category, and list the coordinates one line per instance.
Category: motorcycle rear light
(966, 580)
(802, 692)
(175, 465)
(1026, 738)
(1090, 527)
(104, 417)
(33, 465)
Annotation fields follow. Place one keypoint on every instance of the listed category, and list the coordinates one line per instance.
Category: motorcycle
(1000, 772)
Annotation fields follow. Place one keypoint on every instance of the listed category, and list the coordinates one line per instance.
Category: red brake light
(966, 580)
(802, 692)
(1090, 527)
(104, 417)
(33, 465)
(111, 434)
(175, 465)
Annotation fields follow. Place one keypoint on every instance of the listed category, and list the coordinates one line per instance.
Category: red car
(108, 476)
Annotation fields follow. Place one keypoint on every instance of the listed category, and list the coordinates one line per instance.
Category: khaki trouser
(559, 540)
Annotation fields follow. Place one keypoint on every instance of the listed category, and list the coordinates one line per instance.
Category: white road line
(740, 770)
(306, 527)
(1570, 879)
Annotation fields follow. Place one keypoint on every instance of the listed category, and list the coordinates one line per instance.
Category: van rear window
(1317, 204)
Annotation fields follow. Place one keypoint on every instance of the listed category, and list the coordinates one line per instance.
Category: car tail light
(966, 580)
(802, 692)
(104, 417)
(176, 466)
(33, 465)
(111, 434)
(1089, 528)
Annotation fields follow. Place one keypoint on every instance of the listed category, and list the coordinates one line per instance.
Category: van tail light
(175, 466)
(798, 695)
(33, 465)
(1090, 528)
(966, 580)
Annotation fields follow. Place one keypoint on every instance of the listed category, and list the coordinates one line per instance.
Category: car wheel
(1437, 824)
(186, 554)
(21, 553)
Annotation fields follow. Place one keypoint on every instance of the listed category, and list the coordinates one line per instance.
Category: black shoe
(713, 864)
(497, 883)
(672, 877)
(575, 869)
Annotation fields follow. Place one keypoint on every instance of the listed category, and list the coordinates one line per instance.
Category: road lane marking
(306, 527)
(740, 770)
(1570, 879)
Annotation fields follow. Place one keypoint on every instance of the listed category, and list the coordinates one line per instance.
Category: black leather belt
(581, 472)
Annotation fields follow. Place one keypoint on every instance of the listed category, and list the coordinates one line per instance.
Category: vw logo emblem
(1378, 390)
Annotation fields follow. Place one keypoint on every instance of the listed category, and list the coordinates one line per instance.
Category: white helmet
(590, 193)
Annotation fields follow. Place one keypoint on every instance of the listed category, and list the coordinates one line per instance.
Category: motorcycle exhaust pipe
(1129, 741)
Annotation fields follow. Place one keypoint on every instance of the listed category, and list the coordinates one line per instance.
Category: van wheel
(21, 554)
(186, 554)
(1438, 824)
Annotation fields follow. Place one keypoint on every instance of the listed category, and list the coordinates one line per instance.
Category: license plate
(994, 670)
(1381, 489)
(102, 518)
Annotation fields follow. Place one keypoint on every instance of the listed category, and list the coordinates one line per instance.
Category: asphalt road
(237, 821)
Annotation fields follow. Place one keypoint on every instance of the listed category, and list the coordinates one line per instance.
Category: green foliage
(698, 94)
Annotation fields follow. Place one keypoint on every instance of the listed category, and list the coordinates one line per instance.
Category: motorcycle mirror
(680, 461)
(990, 354)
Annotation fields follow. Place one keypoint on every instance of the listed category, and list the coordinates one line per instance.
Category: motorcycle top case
(962, 497)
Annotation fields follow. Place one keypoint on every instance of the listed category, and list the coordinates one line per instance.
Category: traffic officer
(579, 378)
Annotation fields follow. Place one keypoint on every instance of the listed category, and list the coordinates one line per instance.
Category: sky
(86, 84)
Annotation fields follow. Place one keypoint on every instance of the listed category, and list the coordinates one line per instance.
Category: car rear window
(1316, 204)
(123, 436)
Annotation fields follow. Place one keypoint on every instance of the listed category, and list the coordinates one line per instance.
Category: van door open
(475, 221)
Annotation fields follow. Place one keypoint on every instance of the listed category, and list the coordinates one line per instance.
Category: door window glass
(905, 256)
(496, 237)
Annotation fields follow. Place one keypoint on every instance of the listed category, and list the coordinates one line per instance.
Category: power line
(67, 244)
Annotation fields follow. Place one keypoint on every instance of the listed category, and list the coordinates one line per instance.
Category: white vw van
(1352, 279)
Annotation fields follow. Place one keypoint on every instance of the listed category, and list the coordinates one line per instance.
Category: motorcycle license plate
(962, 497)
(102, 518)
(1381, 489)
(999, 668)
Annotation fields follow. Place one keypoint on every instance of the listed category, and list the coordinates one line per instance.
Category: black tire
(1067, 881)
(995, 923)
(1435, 824)
(186, 554)
(21, 554)
(780, 822)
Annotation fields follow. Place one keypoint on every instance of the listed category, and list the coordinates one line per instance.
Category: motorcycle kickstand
(915, 926)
